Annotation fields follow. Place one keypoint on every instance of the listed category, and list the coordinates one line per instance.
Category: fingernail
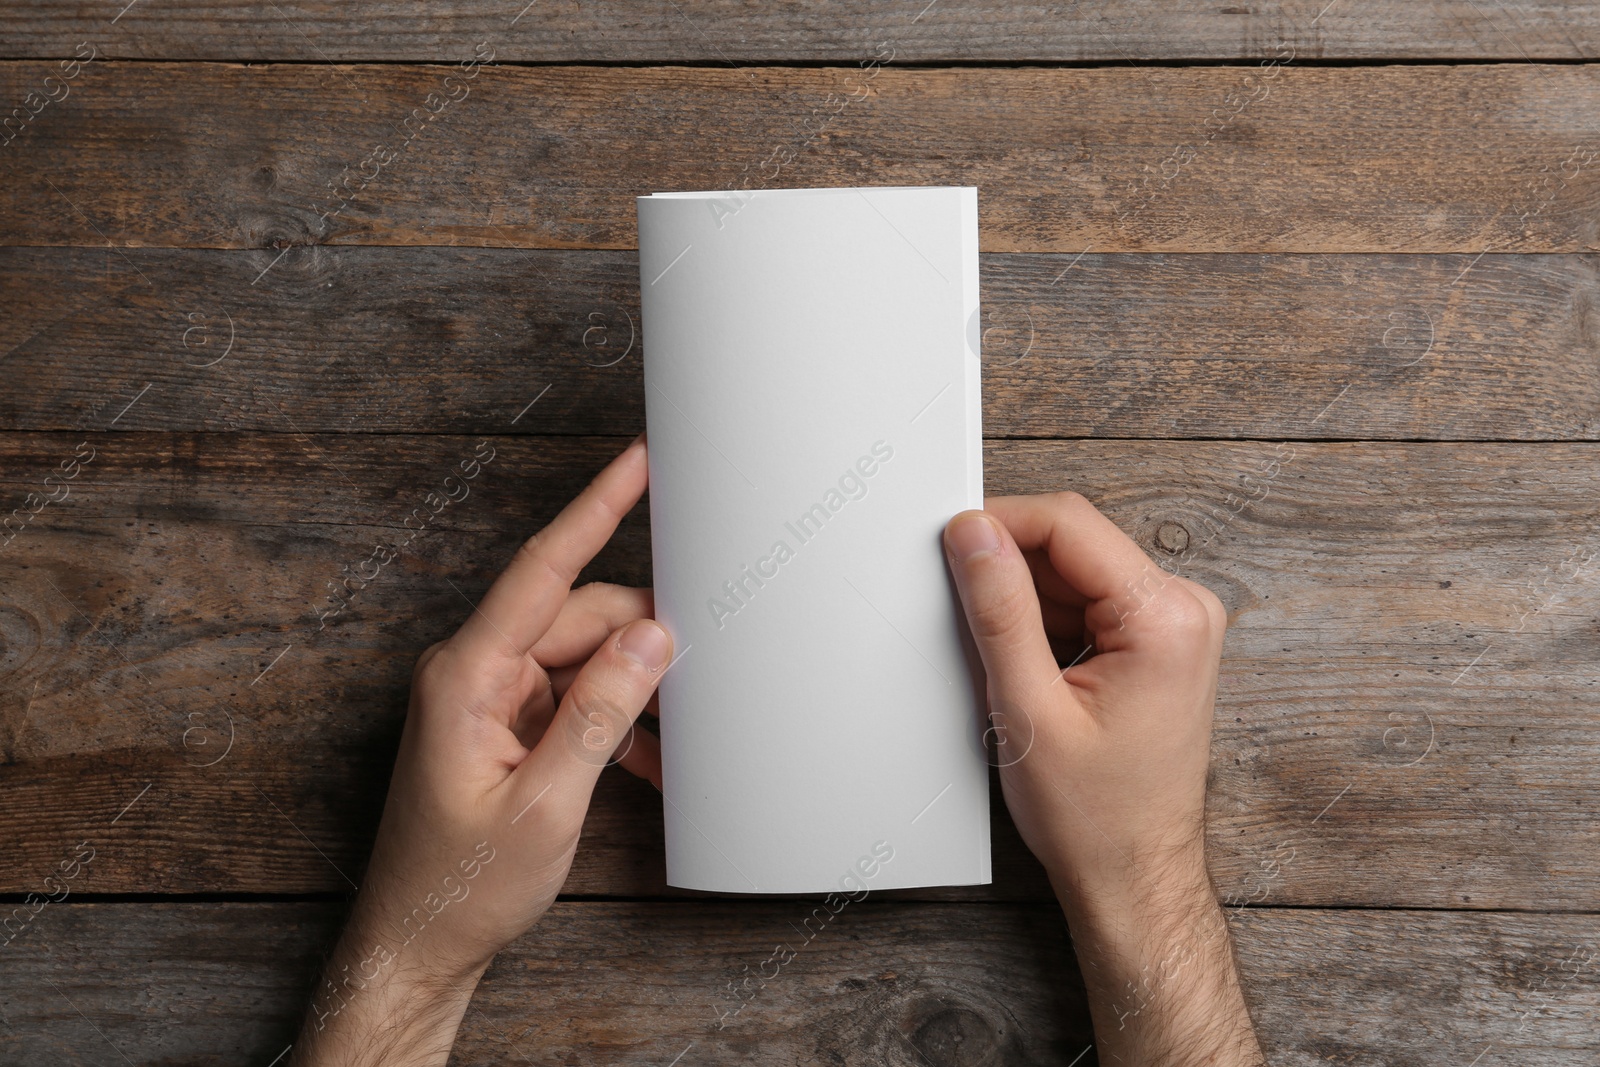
(646, 644)
(971, 536)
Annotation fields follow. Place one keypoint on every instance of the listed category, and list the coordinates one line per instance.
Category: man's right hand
(1103, 764)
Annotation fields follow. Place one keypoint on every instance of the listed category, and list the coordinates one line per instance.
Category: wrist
(409, 946)
(1136, 903)
(1158, 965)
(383, 1001)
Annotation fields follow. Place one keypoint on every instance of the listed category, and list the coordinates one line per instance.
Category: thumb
(1002, 608)
(596, 715)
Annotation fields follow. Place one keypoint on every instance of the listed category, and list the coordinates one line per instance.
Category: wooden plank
(1193, 159)
(729, 31)
(1406, 711)
(883, 982)
(1103, 345)
(1398, 987)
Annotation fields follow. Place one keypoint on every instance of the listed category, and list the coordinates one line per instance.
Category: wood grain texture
(1405, 716)
(1193, 159)
(1275, 249)
(437, 340)
(884, 982)
(728, 31)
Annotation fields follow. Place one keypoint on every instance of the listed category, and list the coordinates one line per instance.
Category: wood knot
(19, 639)
(1172, 537)
(956, 1035)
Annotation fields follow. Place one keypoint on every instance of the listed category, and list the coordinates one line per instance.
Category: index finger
(1087, 549)
(527, 597)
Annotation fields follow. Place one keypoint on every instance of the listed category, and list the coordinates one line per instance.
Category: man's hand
(1103, 765)
(511, 721)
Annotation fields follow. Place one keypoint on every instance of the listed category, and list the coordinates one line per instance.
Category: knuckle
(595, 725)
(426, 668)
(603, 590)
(998, 612)
(1188, 616)
(1215, 610)
(1068, 499)
(538, 551)
(616, 601)
(529, 549)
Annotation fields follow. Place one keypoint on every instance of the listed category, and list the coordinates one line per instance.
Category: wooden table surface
(1303, 294)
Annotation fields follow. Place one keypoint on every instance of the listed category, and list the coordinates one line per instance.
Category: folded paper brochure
(812, 406)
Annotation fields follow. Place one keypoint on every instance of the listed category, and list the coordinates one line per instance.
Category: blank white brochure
(812, 406)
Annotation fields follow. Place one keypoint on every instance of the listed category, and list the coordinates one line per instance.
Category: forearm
(379, 1002)
(1159, 969)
